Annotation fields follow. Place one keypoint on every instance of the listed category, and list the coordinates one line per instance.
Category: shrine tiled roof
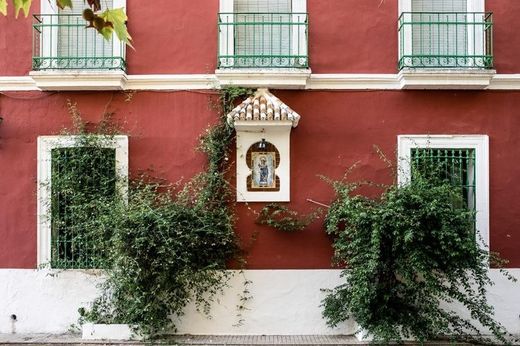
(263, 106)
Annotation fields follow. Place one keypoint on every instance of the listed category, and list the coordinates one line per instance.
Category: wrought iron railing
(445, 40)
(263, 40)
(62, 42)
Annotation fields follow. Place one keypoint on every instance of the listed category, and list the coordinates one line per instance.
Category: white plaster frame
(227, 37)
(277, 133)
(45, 146)
(49, 7)
(472, 6)
(479, 143)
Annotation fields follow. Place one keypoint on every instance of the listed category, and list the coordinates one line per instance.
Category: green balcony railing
(62, 42)
(445, 40)
(263, 40)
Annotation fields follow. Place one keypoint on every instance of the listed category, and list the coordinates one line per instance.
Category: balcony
(67, 55)
(255, 48)
(446, 45)
(262, 40)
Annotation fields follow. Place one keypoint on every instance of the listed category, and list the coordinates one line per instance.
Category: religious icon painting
(263, 166)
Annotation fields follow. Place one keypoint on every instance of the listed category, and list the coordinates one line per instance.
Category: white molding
(353, 81)
(171, 82)
(43, 188)
(264, 78)
(79, 80)
(15, 83)
(505, 82)
(480, 143)
(460, 79)
(53, 80)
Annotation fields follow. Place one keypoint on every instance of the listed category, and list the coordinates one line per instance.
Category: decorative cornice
(445, 79)
(264, 78)
(83, 80)
(38, 81)
(171, 82)
(352, 81)
(17, 83)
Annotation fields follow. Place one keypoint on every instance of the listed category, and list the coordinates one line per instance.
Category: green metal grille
(456, 166)
(76, 184)
(62, 42)
(445, 40)
(263, 40)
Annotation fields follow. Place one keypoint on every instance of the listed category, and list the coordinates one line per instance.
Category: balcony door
(263, 32)
(440, 32)
(78, 47)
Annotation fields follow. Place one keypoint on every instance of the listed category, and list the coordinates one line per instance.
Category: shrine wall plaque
(263, 126)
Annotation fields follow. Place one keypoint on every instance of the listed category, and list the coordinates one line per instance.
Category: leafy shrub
(407, 251)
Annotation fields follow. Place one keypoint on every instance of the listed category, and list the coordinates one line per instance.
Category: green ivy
(284, 219)
(162, 246)
(407, 251)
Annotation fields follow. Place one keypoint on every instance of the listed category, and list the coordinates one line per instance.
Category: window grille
(456, 166)
(75, 185)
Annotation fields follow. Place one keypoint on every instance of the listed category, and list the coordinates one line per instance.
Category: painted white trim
(353, 81)
(15, 83)
(44, 157)
(264, 78)
(283, 302)
(171, 82)
(94, 331)
(79, 80)
(340, 81)
(480, 143)
(459, 79)
(118, 49)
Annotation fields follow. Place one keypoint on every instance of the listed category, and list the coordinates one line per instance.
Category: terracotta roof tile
(263, 106)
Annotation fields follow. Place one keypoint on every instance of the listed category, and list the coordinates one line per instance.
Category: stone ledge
(445, 79)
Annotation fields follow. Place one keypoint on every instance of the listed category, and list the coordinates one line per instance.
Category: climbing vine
(284, 219)
(162, 246)
(408, 251)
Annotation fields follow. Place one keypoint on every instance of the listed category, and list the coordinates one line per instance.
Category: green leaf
(3, 7)
(64, 3)
(117, 18)
(23, 5)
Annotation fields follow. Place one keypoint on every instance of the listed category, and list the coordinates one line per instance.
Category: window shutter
(440, 41)
(267, 32)
(75, 41)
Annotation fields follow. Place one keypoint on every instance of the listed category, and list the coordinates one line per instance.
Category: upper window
(262, 34)
(72, 178)
(460, 160)
(445, 34)
(62, 41)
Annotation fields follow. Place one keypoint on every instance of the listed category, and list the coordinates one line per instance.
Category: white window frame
(49, 7)
(227, 37)
(472, 6)
(479, 143)
(45, 146)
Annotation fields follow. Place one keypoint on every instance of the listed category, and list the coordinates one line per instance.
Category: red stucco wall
(337, 129)
(345, 36)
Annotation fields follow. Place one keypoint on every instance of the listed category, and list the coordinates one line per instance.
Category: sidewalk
(74, 339)
(193, 340)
